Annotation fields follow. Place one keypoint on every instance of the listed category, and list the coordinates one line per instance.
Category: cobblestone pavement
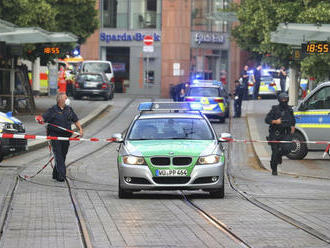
(42, 216)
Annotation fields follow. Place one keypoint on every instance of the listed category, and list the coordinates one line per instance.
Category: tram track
(7, 206)
(248, 197)
(204, 214)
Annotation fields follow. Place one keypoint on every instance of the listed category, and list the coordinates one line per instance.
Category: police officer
(238, 97)
(62, 115)
(282, 126)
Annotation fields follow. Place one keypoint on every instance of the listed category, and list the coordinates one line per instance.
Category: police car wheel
(122, 194)
(219, 193)
(222, 119)
(299, 150)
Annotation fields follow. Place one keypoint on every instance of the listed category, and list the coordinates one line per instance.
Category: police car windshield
(204, 91)
(96, 67)
(170, 128)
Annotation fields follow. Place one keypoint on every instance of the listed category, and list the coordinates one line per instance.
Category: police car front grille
(171, 180)
(182, 160)
(160, 161)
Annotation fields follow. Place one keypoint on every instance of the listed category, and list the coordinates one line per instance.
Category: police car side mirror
(225, 137)
(117, 137)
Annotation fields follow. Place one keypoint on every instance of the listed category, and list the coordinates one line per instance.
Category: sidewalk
(86, 111)
(312, 165)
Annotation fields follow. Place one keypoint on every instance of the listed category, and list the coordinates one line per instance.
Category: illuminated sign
(206, 37)
(126, 37)
(51, 50)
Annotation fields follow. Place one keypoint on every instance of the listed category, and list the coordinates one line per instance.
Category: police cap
(283, 97)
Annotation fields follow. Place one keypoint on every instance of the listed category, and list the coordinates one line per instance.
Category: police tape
(40, 137)
(326, 152)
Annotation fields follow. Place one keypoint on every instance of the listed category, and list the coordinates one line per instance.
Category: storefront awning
(11, 34)
(296, 33)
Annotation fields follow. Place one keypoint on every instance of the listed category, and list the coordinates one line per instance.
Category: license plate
(90, 85)
(171, 173)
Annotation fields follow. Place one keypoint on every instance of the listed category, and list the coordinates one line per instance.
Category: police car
(312, 121)
(268, 85)
(9, 124)
(213, 97)
(168, 147)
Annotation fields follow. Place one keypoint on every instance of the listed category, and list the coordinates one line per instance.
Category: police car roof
(188, 115)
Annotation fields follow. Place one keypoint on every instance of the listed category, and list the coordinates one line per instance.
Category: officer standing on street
(238, 97)
(282, 126)
(62, 115)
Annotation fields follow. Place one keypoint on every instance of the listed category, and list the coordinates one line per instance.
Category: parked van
(312, 121)
(98, 66)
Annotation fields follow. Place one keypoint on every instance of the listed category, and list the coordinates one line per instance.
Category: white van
(98, 66)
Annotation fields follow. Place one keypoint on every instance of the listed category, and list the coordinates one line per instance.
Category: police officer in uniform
(282, 126)
(238, 97)
(62, 115)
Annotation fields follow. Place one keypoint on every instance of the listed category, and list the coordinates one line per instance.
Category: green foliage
(76, 16)
(258, 18)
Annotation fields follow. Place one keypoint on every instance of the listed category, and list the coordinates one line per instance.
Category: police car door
(313, 117)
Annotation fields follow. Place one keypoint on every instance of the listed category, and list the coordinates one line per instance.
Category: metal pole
(147, 77)
(12, 83)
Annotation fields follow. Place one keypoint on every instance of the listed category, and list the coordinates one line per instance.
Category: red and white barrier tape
(326, 152)
(40, 137)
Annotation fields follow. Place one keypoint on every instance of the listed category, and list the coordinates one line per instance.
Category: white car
(98, 66)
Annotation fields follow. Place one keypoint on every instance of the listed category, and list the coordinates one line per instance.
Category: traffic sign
(148, 40)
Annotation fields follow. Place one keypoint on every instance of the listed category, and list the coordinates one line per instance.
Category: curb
(254, 145)
(36, 144)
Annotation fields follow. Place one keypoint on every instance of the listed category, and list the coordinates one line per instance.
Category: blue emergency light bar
(158, 106)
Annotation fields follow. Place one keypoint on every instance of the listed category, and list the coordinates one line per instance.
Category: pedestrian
(245, 82)
(172, 92)
(256, 81)
(238, 97)
(180, 91)
(61, 115)
(282, 75)
(282, 126)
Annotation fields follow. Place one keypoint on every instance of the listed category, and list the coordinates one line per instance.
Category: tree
(76, 16)
(258, 18)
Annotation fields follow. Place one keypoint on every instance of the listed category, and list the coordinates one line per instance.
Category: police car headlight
(134, 160)
(211, 159)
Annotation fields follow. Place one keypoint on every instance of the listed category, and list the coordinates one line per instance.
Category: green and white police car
(169, 147)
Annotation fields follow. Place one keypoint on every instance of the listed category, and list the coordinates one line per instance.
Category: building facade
(188, 43)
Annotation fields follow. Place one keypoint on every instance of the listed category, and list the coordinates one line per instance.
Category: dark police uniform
(64, 118)
(257, 77)
(280, 132)
(239, 93)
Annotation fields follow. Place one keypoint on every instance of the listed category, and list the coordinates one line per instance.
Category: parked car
(213, 97)
(10, 124)
(93, 84)
(98, 66)
(167, 150)
(312, 121)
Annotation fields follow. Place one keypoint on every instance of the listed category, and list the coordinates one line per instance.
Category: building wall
(90, 50)
(176, 18)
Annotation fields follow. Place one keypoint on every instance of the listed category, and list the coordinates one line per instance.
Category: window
(320, 100)
(145, 14)
(170, 128)
(204, 91)
(115, 13)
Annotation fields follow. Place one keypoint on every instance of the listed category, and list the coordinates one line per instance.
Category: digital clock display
(51, 50)
(316, 47)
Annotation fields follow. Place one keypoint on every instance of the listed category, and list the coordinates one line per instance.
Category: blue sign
(205, 37)
(126, 37)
